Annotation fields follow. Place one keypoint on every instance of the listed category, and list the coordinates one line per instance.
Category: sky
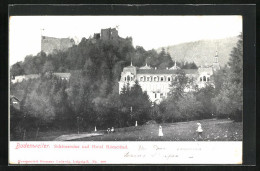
(151, 32)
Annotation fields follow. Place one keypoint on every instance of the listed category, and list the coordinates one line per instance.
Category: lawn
(213, 130)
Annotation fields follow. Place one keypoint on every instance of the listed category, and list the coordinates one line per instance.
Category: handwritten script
(155, 151)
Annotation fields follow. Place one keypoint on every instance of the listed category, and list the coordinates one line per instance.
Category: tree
(136, 103)
(188, 65)
(156, 113)
(140, 103)
(61, 104)
(219, 78)
(229, 101)
(165, 59)
(189, 107)
(139, 56)
(39, 108)
(16, 126)
(170, 111)
(17, 69)
(29, 65)
(236, 62)
(178, 85)
(205, 96)
(48, 67)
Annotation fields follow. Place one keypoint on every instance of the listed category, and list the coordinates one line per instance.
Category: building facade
(156, 82)
(20, 78)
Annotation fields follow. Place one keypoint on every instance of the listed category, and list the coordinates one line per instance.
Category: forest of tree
(90, 98)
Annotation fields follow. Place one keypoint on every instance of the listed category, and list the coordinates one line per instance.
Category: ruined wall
(66, 43)
(108, 34)
(114, 34)
(49, 44)
(105, 34)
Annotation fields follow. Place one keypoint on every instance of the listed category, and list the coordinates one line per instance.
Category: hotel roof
(165, 71)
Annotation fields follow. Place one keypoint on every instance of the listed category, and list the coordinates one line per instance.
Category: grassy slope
(214, 130)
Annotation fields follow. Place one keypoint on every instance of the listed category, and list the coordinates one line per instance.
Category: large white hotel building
(156, 82)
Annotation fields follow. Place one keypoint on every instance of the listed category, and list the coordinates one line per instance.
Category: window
(161, 78)
(155, 79)
(131, 78)
(208, 79)
(125, 78)
(141, 78)
(148, 79)
(161, 95)
(204, 78)
(169, 78)
(155, 95)
(144, 78)
(200, 78)
(128, 78)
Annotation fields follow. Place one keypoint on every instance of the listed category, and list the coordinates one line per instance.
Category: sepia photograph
(126, 78)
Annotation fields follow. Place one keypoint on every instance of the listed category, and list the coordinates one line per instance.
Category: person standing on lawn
(160, 131)
(199, 130)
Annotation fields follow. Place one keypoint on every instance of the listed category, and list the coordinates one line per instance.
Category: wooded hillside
(203, 50)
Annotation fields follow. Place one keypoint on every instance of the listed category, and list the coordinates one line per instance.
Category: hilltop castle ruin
(49, 44)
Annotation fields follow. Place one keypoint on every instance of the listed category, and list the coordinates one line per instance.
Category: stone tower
(109, 34)
(216, 65)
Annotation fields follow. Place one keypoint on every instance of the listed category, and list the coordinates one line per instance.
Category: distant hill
(203, 51)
